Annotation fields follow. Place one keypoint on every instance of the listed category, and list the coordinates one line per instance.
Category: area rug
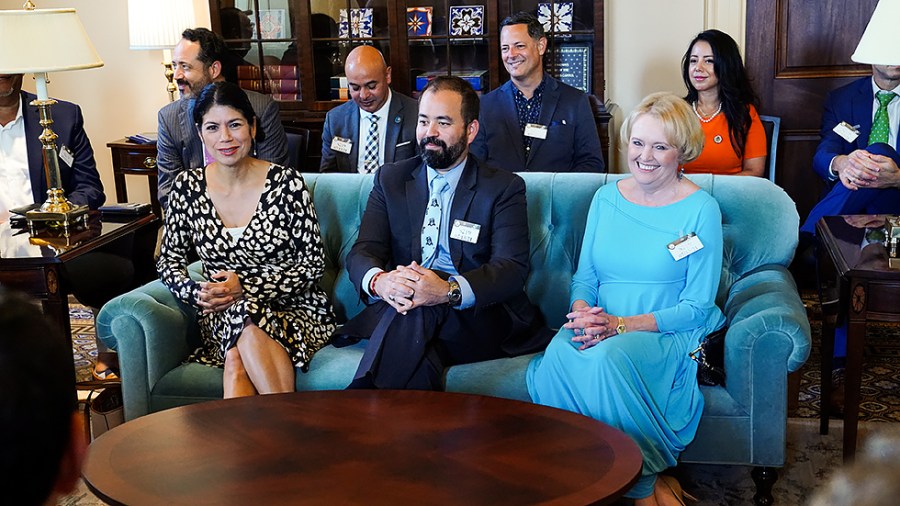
(880, 391)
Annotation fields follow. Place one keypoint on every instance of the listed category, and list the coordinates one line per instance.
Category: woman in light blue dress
(643, 297)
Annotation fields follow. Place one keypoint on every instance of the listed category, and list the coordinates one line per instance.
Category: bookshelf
(295, 49)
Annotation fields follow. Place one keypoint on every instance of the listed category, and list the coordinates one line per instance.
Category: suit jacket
(851, 103)
(572, 143)
(179, 146)
(343, 121)
(496, 266)
(80, 181)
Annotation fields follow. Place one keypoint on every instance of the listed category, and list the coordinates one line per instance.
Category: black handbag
(710, 358)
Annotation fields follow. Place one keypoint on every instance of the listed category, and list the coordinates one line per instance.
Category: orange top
(719, 157)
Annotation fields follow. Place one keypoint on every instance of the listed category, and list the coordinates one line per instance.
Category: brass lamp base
(57, 212)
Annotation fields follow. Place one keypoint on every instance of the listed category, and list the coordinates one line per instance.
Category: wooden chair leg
(764, 478)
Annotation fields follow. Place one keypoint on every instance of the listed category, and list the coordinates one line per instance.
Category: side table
(137, 159)
(856, 286)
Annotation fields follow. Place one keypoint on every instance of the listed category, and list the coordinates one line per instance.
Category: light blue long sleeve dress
(643, 383)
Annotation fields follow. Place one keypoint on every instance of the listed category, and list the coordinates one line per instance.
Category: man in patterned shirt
(535, 123)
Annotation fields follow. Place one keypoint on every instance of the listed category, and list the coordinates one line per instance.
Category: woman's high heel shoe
(673, 487)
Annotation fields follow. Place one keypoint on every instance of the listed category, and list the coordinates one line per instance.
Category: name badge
(66, 154)
(684, 246)
(847, 131)
(536, 131)
(465, 231)
(341, 145)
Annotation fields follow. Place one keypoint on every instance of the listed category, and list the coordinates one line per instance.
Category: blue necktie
(431, 226)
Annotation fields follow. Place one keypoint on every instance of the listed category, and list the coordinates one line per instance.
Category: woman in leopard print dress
(260, 309)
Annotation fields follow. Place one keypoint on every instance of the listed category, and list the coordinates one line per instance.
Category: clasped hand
(590, 324)
(411, 286)
(220, 293)
(861, 169)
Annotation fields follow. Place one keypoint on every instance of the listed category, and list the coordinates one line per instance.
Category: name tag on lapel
(341, 145)
(536, 131)
(847, 131)
(465, 231)
(66, 155)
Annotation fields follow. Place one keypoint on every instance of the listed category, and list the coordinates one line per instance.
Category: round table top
(362, 446)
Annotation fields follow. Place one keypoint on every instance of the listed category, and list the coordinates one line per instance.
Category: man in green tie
(858, 150)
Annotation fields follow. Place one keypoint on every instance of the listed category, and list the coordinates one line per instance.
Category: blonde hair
(682, 129)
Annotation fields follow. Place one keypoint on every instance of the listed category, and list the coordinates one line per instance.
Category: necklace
(707, 120)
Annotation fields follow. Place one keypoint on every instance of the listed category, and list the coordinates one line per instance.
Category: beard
(445, 157)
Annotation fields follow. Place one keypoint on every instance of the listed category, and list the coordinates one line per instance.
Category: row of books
(269, 71)
(271, 85)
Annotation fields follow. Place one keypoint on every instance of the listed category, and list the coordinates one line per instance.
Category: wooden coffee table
(362, 447)
(856, 285)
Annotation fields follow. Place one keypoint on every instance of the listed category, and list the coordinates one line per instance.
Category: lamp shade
(44, 40)
(880, 43)
(157, 24)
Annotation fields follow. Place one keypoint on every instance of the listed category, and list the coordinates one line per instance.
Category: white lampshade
(880, 43)
(157, 24)
(44, 40)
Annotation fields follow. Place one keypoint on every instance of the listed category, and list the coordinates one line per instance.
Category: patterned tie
(881, 126)
(370, 160)
(431, 226)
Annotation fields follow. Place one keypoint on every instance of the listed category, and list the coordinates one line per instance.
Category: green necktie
(881, 126)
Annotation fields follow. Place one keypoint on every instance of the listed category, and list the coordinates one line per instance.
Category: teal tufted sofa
(742, 423)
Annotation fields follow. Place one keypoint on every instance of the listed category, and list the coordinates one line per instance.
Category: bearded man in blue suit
(442, 256)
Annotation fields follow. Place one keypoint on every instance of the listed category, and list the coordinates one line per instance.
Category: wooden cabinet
(134, 159)
(295, 49)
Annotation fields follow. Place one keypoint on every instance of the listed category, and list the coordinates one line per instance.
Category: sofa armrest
(768, 335)
(150, 330)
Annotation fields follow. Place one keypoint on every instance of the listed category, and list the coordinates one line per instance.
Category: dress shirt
(364, 125)
(528, 110)
(442, 260)
(893, 118)
(16, 189)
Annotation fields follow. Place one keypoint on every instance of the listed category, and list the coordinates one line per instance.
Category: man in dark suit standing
(858, 150)
(442, 256)
(377, 126)
(535, 123)
(200, 58)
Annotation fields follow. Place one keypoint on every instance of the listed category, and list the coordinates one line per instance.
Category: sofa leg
(764, 478)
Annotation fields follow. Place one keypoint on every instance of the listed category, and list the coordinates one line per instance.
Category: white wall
(122, 97)
(645, 40)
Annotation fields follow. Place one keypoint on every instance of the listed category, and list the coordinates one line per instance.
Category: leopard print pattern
(279, 260)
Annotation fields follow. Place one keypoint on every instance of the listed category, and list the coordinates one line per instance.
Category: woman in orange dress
(725, 104)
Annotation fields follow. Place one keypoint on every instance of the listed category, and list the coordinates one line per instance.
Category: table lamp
(39, 41)
(157, 24)
(880, 43)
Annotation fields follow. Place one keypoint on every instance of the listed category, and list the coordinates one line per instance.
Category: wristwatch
(620, 328)
(455, 294)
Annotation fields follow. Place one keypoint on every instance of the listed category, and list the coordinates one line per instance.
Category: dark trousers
(411, 351)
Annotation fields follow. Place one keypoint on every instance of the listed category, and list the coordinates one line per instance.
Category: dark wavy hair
(37, 382)
(230, 95)
(470, 101)
(735, 91)
(535, 28)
